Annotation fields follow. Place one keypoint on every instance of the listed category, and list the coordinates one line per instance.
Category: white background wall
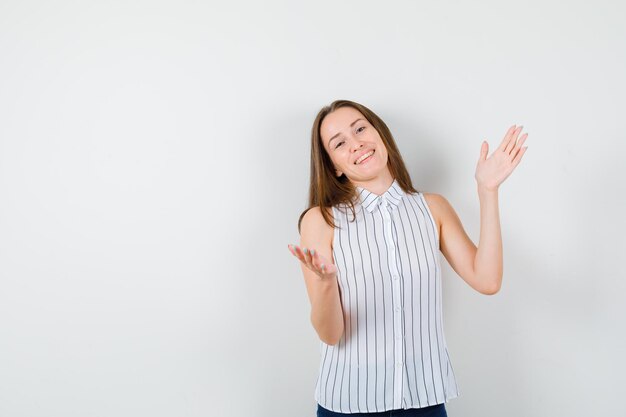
(154, 162)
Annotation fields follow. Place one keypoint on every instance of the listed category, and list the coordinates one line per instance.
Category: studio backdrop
(154, 161)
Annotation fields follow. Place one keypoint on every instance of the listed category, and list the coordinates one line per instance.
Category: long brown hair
(326, 189)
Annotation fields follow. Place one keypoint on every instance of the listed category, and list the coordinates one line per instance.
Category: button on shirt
(393, 352)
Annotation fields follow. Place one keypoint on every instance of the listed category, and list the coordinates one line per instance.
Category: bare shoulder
(313, 218)
(434, 199)
(442, 210)
(314, 228)
(438, 206)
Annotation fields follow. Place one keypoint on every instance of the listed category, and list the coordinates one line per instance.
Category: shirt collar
(392, 197)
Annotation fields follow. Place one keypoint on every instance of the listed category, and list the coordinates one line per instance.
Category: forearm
(488, 260)
(326, 312)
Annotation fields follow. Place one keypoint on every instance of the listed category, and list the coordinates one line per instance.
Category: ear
(338, 173)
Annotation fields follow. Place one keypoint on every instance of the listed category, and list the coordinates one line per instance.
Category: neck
(377, 185)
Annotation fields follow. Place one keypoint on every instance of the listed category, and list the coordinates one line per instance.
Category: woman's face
(349, 138)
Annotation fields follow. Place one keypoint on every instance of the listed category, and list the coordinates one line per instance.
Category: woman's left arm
(488, 258)
(481, 267)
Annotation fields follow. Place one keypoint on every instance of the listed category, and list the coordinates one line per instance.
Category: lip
(364, 153)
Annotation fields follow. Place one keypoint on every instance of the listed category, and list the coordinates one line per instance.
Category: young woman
(369, 252)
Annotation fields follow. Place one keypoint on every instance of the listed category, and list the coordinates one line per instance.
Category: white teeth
(358, 161)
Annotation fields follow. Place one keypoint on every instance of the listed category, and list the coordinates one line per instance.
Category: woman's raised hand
(315, 261)
(492, 171)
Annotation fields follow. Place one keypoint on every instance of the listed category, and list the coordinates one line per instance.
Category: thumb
(484, 150)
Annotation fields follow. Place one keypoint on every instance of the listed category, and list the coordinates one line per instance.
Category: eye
(360, 129)
(339, 144)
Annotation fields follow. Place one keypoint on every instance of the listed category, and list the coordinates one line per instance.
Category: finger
(511, 144)
(484, 150)
(308, 253)
(506, 138)
(318, 262)
(314, 260)
(305, 257)
(519, 144)
(296, 251)
(318, 257)
(299, 253)
(293, 249)
(329, 268)
(518, 157)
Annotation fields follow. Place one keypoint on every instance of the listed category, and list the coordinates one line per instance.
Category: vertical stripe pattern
(393, 352)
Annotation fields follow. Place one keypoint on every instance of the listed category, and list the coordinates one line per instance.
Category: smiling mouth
(364, 157)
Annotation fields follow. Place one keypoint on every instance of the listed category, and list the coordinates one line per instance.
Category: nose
(356, 145)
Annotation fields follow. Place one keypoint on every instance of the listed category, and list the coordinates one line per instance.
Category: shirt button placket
(397, 301)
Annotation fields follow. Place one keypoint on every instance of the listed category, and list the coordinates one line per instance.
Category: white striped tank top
(393, 352)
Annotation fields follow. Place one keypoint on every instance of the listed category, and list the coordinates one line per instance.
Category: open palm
(492, 171)
(315, 261)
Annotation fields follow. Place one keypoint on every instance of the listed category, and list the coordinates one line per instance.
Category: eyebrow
(335, 136)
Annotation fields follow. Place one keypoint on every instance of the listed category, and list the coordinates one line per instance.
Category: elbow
(486, 284)
(330, 336)
(331, 341)
(492, 289)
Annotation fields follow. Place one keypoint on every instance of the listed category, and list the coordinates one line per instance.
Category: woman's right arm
(320, 276)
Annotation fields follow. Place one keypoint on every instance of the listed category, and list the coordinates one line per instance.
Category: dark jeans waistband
(438, 410)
